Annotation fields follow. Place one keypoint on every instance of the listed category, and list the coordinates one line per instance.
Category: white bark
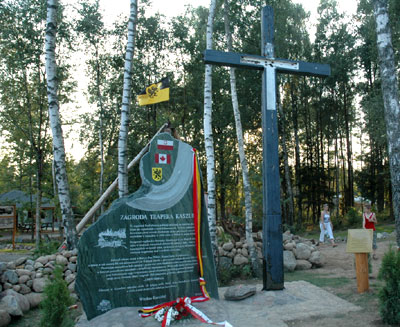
(242, 155)
(208, 136)
(126, 98)
(55, 123)
(391, 101)
(113, 186)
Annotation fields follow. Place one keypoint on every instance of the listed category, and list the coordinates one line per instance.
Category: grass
(30, 319)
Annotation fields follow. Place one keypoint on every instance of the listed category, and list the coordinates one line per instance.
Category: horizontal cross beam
(240, 60)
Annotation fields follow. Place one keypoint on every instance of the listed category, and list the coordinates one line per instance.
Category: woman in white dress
(325, 225)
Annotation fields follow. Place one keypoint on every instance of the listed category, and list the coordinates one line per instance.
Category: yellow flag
(154, 93)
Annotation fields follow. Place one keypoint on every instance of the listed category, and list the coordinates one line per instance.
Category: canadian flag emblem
(163, 158)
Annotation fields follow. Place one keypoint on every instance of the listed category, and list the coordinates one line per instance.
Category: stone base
(298, 300)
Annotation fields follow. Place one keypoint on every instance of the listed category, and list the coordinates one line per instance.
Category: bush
(56, 301)
(225, 276)
(46, 248)
(353, 218)
(389, 295)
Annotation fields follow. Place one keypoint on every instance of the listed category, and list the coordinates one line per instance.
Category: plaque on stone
(153, 246)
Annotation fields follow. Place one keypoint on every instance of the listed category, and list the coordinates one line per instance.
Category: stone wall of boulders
(22, 282)
(299, 253)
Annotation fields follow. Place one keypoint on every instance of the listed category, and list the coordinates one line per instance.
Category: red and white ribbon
(182, 307)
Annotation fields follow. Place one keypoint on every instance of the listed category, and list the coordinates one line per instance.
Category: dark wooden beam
(232, 59)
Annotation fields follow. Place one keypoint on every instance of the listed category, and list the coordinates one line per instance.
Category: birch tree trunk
(208, 136)
(242, 156)
(123, 132)
(391, 101)
(55, 123)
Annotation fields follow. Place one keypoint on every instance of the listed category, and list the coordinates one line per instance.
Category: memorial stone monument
(153, 246)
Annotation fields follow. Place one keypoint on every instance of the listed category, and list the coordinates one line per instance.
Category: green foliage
(353, 218)
(389, 295)
(46, 248)
(56, 302)
(223, 237)
(225, 276)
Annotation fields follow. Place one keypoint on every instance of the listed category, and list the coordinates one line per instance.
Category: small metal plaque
(359, 241)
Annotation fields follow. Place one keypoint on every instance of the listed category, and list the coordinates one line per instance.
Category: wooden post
(362, 272)
(14, 227)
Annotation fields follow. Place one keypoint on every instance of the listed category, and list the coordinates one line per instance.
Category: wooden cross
(272, 221)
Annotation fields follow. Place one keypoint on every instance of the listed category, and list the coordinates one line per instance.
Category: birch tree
(391, 101)
(123, 132)
(55, 124)
(242, 155)
(208, 135)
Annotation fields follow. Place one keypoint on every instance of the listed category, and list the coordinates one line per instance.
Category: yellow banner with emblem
(154, 93)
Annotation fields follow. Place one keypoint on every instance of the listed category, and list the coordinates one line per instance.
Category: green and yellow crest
(156, 173)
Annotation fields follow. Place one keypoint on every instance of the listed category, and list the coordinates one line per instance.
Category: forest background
(321, 122)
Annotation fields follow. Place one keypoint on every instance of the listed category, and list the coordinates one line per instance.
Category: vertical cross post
(272, 220)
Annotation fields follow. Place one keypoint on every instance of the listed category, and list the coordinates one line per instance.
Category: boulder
(10, 276)
(20, 261)
(38, 265)
(3, 266)
(43, 260)
(287, 236)
(11, 265)
(72, 267)
(73, 259)
(239, 260)
(317, 259)
(34, 299)
(67, 254)
(22, 301)
(225, 263)
(70, 278)
(71, 287)
(49, 265)
(239, 245)
(5, 318)
(25, 289)
(23, 272)
(23, 279)
(303, 251)
(29, 267)
(245, 252)
(16, 288)
(239, 292)
(289, 261)
(10, 304)
(228, 246)
(221, 251)
(303, 265)
(61, 260)
(289, 246)
(39, 284)
(29, 262)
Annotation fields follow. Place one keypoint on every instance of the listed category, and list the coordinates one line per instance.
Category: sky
(113, 8)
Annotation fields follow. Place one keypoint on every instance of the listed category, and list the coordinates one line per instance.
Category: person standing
(325, 225)
(369, 221)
